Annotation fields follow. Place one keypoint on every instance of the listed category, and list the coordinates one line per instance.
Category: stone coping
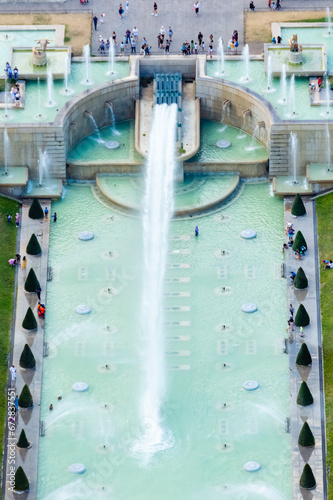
(297, 70)
(58, 28)
(318, 173)
(8, 181)
(297, 188)
(246, 170)
(41, 75)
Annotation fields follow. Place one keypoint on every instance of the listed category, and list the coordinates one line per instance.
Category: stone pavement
(314, 414)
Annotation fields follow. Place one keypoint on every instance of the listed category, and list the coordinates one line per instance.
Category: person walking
(170, 34)
(154, 13)
(95, 19)
(127, 6)
(12, 370)
(196, 8)
(38, 291)
(133, 46)
(101, 18)
(167, 47)
(120, 10)
(114, 38)
(128, 36)
(54, 217)
(200, 37)
(24, 263)
(211, 50)
(17, 219)
(135, 33)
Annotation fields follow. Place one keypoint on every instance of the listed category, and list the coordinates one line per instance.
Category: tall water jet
(283, 84)
(96, 131)
(293, 153)
(158, 206)
(67, 90)
(6, 115)
(246, 59)
(327, 95)
(86, 56)
(111, 58)
(255, 136)
(50, 91)
(328, 147)
(269, 73)
(43, 166)
(6, 145)
(220, 54)
(292, 94)
(329, 22)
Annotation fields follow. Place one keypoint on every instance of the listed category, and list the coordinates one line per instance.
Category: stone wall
(171, 64)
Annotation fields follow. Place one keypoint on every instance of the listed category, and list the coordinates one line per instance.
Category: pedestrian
(211, 38)
(51, 407)
(114, 38)
(301, 331)
(54, 217)
(127, 6)
(135, 33)
(16, 402)
(122, 49)
(12, 262)
(17, 219)
(203, 46)
(154, 13)
(120, 10)
(252, 6)
(128, 36)
(9, 218)
(196, 8)
(95, 19)
(170, 34)
(200, 37)
(18, 259)
(24, 263)
(101, 19)
(211, 50)
(291, 310)
(38, 290)
(133, 46)
(269, 4)
(196, 231)
(12, 370)
(46, 212)
(167, 47)
(159, 39)
(195, 48)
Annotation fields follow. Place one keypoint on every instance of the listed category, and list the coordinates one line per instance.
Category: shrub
(27, 359)
(302, 318)
(25, 398)
(31, 283)
(22, 440)
(21, 480)
(298, 207)
(306, 438)
(304, 397)
(29, 322)
(35, 210)
(300, 281)
(307, 480)
(304, 356)
(33, 247)
(299, 242)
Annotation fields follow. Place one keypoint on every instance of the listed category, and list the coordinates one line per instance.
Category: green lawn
(325, 239)
(8, 234)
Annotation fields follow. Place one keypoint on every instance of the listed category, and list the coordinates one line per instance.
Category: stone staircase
(279, 154)
(55, 145)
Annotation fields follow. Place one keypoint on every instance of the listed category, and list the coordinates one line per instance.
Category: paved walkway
(314, 414)
(29, 419)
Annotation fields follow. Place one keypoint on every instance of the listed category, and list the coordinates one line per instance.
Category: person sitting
(252, 6)
(15, 73)
(292, 275)
(13, 91)
(147, 50)
(184, 48)
(273, 39)
(279, 39)
(329, 265)
(319, 82)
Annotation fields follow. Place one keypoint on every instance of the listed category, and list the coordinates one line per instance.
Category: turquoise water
(92, 148)
(235, 70)
(252, 424)
(21, 38)
(31, 111)
(312, 59)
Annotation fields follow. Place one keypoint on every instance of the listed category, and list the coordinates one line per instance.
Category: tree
(27, 359)
(21, 480)
(22, 440)
(29, 322)
(304, 356)
(304, 397)
(31, 283)
(300, 281)
(299, 242)
(35, 210)
(298, 207)
(306, 438)
(25, 398)
(307, 481)
(302, 318)
(33, 247)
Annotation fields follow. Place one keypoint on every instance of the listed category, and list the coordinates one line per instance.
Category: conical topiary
(304, 397)
(25, 398)
(304, 356)
(35, 210)
(29, 322)
(298, 207)
(299, 242)
(300, 281)
(22, 440)
(33, 247)
(21, 480)
(302, 318)
(306, 438)
(27, 359)
(31, 283)
(307, 480)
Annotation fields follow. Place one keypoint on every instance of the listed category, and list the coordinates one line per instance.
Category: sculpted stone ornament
(39, 53)
(295, 54)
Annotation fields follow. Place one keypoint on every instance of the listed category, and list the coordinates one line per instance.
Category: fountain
(96, 131)
(293, 152)
(114, 131)
(283, 84)
(111, 58)
(39, 53)
(6, 145)
(50, 91)
(6, 115)
(327, 95)
(329, 21)
(39, 116)
(246, 59)
(328, 148)
(269, 74)
(86, 56)
(255, 137)
(158, 209)
(292, 95)
(43, 166)
(67, 90)
(220, 53)
(295, 53)
(246, 115)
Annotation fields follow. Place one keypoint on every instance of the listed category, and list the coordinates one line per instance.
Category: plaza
(169, 335)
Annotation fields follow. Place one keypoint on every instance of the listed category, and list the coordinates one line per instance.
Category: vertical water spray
(39, 99)
(86, 56)
(6, 144)
(6, 116)
(328, 147)
(292, 95)
(327, 95)
(67, 90)
(157, 212)
(269, 72)
(255, 136)
(220, 53)
(43, 166)
(246, 59)
(294, 152)
(111, 58)
(92, 120)
(50, 90)
(283, 85)
(329, 22)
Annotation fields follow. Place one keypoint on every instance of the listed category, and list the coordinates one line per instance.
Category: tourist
(120, 10)
(16, 402)
(162, 30)
(17, 219)
(159, 39)
(12, 262)
(211, 38)
(291, 309)
(101, 18)
(292, 275)
(195, 48)
(9, 218)
(211, 50)
(279, 39)
(154, 13)
(196, 8)
(128, 35)
(12, 370)
(252, 6)
(196, 231)
(41, 310)
(167, 47)
(329, 265)
(135, 33)
(133, 46)
(127, 6)
(203, 46)
(285, 247)
(24, 263)
(10, 72)
(200, 37)
(269, 4)
(319, 82)
(51, 407)
(38, 290)
(122, 49)
(54, 217)
(15, 72)
(107, 45)
(95, 19)
(301, 331)
(102, 47)
(273, 39)
(7, 66)
(170, 34)
(46, 212)
(18, 259)
(114, 38)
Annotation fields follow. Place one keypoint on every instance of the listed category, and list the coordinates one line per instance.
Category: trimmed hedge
(33, 247)
(22, 440)
(302, 318)
(27, 359)
(304, 397)
(35, 210)
(21, 480)
(307, 480)
(298, 207)
(300, 281)
(25, 398)
(299, 242)
(31, 283)
(304, 356)
(306, 438)
(29, 322)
